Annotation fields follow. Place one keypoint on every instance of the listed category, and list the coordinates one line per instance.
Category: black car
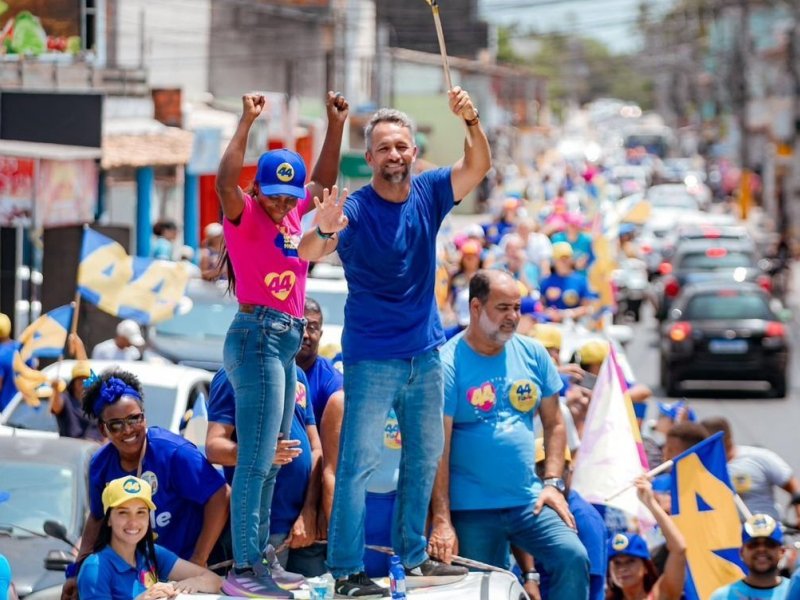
(724, 331)
(195, 336)
(696, 261)
(42, 479)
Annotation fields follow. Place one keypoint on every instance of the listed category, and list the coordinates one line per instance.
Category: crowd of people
(449, 430)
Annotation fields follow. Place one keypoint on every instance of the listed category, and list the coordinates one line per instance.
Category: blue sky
(611, 21)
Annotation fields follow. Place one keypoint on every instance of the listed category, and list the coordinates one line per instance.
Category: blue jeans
(414, 388)
(485, 535)
(259, 356)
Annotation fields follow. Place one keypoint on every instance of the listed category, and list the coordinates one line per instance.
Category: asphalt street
(756, 419)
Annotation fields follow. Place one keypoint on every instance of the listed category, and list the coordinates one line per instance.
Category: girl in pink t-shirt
(262, 230)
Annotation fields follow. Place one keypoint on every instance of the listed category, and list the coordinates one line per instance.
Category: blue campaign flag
(704, 509)
(47, 335)
(145, 290)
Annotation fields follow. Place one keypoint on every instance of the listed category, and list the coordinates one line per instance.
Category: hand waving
(330, 211)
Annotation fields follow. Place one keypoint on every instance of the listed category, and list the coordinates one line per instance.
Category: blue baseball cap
(628, 544)
(761, 526)
(665, 409)
(281, 172)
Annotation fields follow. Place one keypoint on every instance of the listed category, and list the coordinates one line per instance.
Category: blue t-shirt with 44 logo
(492, 400)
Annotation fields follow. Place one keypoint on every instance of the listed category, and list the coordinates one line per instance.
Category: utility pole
(792, 190)
(741, 92)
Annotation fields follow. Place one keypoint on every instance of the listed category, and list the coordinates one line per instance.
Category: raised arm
(443, 543)
(470, 169)
(670, 584)
(326, 170)
(323, 239)
(230, 166)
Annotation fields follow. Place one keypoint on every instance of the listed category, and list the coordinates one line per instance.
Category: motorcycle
(631, 284)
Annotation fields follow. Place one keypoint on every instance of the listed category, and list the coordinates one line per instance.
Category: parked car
(703, 260)
(195, 336)
(724, 330)
(169, 391)
(41, 481)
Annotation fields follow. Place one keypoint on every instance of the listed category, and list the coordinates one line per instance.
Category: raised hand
(330, 211)
(337, 108)
(252, 106)
(461, 104)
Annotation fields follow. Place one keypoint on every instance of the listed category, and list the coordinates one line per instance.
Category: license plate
(728, 346)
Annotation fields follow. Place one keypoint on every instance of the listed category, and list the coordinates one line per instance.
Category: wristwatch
(555, 482)
(323, 235)
(531, 576)
(475, 120)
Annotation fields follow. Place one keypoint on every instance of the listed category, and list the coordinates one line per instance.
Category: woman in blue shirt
(126, 563)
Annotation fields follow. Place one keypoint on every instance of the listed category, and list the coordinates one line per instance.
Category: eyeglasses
(313, 328)
(117, 425)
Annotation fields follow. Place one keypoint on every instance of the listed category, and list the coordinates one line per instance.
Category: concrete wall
(169, 37)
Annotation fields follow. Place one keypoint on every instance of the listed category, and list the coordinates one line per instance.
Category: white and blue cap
(281, 172)
(762, 526)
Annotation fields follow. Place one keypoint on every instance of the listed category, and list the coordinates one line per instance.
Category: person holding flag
(632, 575)
(762, 549)
(262, 231)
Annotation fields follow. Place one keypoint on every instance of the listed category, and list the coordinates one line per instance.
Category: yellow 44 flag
(704, 509)
(145, 290)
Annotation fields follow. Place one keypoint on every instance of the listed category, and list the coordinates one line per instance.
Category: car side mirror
(58, 560)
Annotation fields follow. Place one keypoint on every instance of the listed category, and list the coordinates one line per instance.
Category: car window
(710, 260)
(159, 402)
(206, 319)
(34, 493)
(727, 304)
(673, 201)
(332, 304)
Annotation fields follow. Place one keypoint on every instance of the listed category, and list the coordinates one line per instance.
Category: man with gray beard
(385, 234)
(487, 494)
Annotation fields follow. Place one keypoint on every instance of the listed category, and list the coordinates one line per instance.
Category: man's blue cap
(628, 544)
(666, 409)
(281, 172)
(761, 526)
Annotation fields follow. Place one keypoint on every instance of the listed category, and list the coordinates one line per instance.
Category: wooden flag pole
(665, 466)
(437, 21)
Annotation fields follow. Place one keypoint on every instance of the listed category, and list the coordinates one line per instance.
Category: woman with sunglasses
(262, 230)
(192, 496)
(126, 563)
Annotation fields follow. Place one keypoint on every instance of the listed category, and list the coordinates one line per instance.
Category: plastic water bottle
(397, 578)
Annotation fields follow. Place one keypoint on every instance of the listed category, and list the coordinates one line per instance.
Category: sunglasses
(117, 425)
(768, 543)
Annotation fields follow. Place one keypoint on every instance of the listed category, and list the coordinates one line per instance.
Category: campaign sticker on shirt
(391, 432)
(286, 242)
(571, 297)
(483, 398)
(553, 293)
(301, 395)
(523, 395)
(280, 284)
(150, 478)
(148, 578)
(742, 483)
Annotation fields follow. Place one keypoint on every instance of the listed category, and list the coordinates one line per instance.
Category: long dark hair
(146, 546)
(224, 257)
(614, 592)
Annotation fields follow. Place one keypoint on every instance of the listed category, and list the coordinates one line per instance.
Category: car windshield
(673, 201)
(727, 305)
(710, 261)
(332, 304)
(159, 404)
(206, 319)
(33, 493)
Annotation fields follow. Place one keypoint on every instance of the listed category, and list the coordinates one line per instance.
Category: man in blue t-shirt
(761, 552)
(565, 293)
(385, 235)
(293, 516)
(324, 380)
(487, 493)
